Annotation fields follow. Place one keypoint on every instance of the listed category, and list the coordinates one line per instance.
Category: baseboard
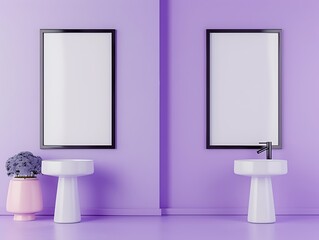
(123, 212)
(235, 211)
(204, 211)
(111, 211)
(175, 211)
(297, 211)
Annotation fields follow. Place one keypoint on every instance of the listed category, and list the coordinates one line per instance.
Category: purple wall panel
(200, 178)
(127, 177)
(191, 176)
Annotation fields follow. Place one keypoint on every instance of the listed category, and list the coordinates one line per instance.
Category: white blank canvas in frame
(77, 89)
(244, 88)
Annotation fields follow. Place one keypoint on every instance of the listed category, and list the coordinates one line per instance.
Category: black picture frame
(208, 93)
(111, 145)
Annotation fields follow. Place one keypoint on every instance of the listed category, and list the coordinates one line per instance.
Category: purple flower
(24, 164)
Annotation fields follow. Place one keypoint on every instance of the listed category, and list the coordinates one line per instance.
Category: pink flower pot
(24, 198)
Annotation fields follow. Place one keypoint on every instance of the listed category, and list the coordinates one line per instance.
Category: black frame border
(113, 34)
(208, 32)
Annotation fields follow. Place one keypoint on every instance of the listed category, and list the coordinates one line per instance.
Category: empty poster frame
(243, 84)
(77, 88)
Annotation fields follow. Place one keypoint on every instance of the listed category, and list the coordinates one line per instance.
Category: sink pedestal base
(261, 201)
(67, 205)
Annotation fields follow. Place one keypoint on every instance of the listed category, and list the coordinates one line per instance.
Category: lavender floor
(162, 228)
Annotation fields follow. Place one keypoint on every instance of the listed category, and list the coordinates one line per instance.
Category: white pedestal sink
(261, 202)
(67, 205)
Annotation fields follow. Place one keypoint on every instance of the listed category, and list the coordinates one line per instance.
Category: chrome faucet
(267, 148)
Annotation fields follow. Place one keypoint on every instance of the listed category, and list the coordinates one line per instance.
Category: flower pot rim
(24, 179)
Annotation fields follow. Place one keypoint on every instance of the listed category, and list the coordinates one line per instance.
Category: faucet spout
(262, 149)
(267, 148)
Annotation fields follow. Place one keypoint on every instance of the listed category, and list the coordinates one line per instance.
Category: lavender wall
(126, 179)
(193, 179)
(196, 180)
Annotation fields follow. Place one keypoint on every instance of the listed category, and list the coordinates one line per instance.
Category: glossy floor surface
(162, 228)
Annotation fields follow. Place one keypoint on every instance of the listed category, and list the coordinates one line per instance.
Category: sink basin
(67, 204)
(261, 201)
(67, 167)
(260, 167)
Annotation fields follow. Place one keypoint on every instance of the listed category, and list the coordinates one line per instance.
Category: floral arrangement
(24, 165)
